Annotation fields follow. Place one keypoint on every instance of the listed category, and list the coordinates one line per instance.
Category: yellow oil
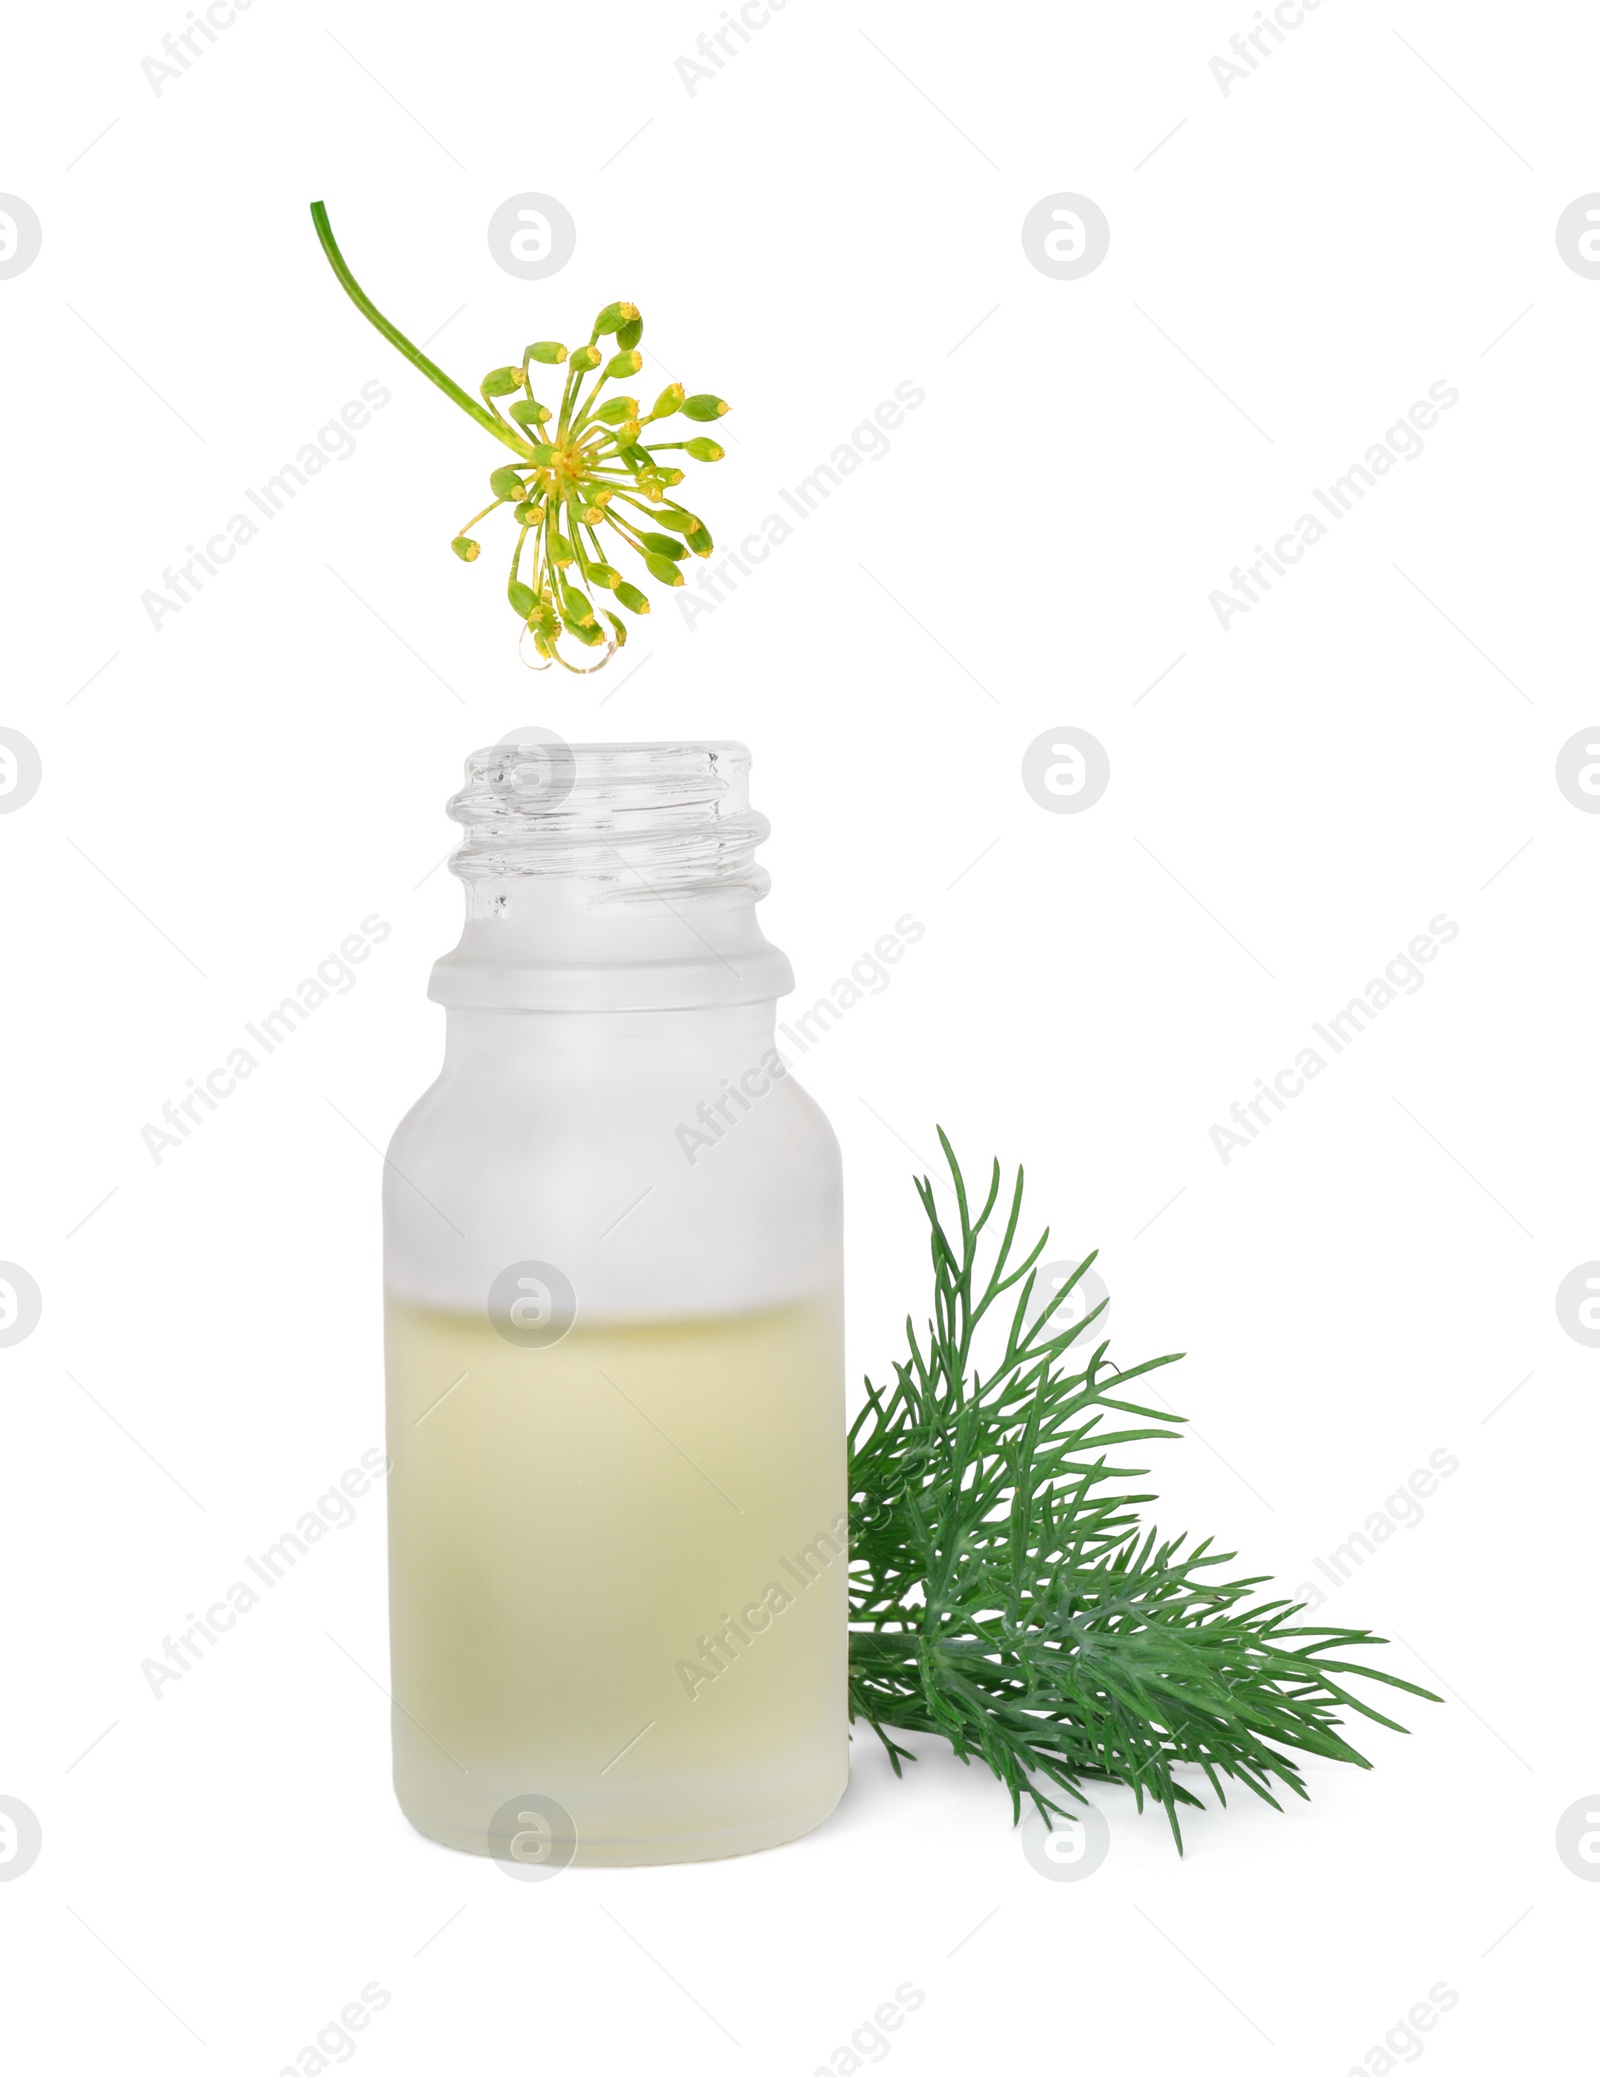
(617, 1578)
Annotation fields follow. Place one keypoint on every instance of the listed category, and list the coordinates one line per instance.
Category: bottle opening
(637, 818)
(605, 876)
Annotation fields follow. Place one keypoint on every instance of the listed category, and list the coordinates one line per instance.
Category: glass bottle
(613, 1268)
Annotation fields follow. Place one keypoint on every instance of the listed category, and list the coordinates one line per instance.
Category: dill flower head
(585, 484)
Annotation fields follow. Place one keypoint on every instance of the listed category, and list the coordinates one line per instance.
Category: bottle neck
(563, 946)
(627, 882)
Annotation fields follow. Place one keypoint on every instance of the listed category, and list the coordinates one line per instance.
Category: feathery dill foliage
(1003, 1592)
(583, 477)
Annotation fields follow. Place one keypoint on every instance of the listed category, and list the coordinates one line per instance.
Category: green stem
(505, 424)
(629, 532)
(574, 506)
(596, 543)
(461, 532)
(651, 512)
(573, 382)
(398, 339)
(551, 528)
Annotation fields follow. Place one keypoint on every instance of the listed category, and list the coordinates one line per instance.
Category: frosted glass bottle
(617, 1506)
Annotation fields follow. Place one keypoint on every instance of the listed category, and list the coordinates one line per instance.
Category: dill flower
(583, 478)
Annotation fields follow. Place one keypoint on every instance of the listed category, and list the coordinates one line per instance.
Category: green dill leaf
(1005, 1594)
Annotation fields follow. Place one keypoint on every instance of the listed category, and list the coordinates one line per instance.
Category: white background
(1291, 801)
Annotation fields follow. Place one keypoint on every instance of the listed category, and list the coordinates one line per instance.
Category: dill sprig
(1004, 1593)
(584, 476)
